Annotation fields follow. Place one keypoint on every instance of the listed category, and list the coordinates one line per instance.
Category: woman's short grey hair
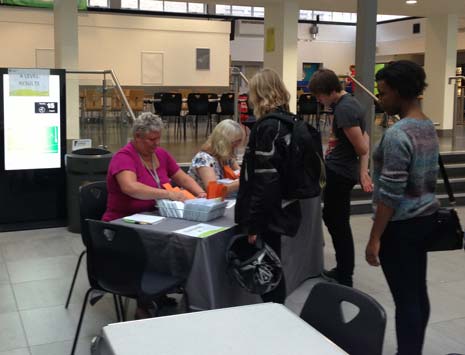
(147, 122)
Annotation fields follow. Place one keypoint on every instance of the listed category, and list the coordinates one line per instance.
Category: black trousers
(336, 215)
(404, 260)
(278, 295)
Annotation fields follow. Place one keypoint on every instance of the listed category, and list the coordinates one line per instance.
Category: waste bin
(82, 167)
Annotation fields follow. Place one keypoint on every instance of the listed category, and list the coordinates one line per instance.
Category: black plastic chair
(226, 105)
(198, 105)
(92, 204)
(308, 106)
(364, 334)
(116, 262)
(171, 106)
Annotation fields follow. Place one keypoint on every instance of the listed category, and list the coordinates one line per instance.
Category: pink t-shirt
(119, 204)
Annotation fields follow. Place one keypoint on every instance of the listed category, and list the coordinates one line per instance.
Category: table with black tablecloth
(203, 260)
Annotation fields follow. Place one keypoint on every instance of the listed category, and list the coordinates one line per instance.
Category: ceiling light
(411, 2)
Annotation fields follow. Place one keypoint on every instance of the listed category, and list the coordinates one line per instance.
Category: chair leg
(120, 300)
(115, 300)
(186, 300)
(81, 317)
(74, 278)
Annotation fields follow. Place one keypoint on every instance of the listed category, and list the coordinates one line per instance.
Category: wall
(116, 42)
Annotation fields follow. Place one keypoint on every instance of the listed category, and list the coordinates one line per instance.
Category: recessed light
(411, 2)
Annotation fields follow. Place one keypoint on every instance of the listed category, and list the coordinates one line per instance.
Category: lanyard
(153, 172)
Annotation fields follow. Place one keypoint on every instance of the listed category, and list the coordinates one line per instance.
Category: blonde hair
(219, 143)
(267, 92)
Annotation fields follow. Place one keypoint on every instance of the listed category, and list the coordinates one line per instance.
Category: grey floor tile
(453, 329)
(56, 324)
(33, 234)
(443, 268)
(370, 279)
(11, 332)
(37, 249)
(444, 304)
(22, 351)
(76, 244)
(47, 293)
(83, 348)
(41, 269)
(7, 299)
(436, 342)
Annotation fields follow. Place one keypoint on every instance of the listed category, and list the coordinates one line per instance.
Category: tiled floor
(36, 268)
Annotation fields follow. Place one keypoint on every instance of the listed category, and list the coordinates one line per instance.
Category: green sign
(82, 4)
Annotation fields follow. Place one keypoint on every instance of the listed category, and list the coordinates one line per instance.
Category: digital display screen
(31, 110)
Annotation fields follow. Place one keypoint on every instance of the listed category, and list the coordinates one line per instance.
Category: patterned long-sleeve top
(406, 169)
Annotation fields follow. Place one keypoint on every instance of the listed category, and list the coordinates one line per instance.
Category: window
(151, 5)
(129, 4)
(241, 10)
(98, 3)
(195, 7)
(258, 11)
(175, 6)
(306, 15)
(223, 9)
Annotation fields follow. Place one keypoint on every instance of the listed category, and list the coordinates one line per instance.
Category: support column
(440, 63)
(67, 57)
(280, 54)
(365, 50)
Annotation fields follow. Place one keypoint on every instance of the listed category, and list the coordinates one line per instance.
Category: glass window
(387, 17)
(343, 17)
(305, 15)
(195, 7)
(98, 3)
(175, 6)
(151, 5)
(324, 15)
(241, 10)
(223, 9)
(258, 11)
(129, 4)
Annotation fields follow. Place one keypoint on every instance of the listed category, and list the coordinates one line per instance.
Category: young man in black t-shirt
(346, 161)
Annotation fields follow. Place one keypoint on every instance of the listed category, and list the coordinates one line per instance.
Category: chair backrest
(197, 104)
(307, 104)
(93, 100)
(364, 334)
(92, 204)
(171, 104)
(116, 257)
(136, 100)
(212, 104)
(227, 104)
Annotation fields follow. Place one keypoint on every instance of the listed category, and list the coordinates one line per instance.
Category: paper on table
(143, 218)
(231, 203)
(200, 230)
(225, 181)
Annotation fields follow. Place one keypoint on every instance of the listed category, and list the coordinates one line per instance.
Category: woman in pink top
(138, 171)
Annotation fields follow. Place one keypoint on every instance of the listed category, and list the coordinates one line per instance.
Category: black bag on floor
(448, 232)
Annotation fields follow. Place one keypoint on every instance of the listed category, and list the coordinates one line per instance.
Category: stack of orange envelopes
(186, 193)
(215, 190)
(229, 173)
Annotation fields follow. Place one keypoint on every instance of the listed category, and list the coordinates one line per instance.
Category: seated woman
(138, 171)
(216, 154)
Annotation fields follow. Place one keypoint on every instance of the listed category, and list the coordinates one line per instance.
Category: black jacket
(260, 206)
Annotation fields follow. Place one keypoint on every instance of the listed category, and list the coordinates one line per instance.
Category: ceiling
(423, 8)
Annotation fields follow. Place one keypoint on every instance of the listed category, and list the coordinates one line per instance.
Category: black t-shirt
(340, 154)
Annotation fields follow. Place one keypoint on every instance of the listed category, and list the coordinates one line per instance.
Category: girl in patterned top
(405, 173)
(216, 153)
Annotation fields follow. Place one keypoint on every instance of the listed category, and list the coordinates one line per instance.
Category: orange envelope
(229, 173)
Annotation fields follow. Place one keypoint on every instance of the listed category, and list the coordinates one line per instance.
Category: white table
(261, 329)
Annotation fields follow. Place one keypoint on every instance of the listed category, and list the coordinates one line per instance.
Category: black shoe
(165, 301)
(334, 276)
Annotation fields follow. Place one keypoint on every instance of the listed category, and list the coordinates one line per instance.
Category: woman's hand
(252, 238)
(365, 182)
(372, 251)
(202, 195)
(176, 196)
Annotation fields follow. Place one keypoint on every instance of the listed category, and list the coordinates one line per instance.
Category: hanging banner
(82, 4)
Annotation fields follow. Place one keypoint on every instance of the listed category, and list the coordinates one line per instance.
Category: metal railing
(237, 77)
(459, 100)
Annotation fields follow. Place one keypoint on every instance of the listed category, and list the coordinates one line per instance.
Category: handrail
(362, 86)
(237, 71)
(456, 78)
(117, 85)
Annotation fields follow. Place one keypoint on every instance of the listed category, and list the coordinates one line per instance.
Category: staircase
(454, 163)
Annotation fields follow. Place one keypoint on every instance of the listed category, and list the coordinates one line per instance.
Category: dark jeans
(403, 259)
(278, 295)
(336, 215)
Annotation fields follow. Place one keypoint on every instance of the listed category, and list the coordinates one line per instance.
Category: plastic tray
(193, 212)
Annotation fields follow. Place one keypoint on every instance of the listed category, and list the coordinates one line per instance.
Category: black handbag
(447, 233)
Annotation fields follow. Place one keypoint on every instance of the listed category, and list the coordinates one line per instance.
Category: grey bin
(82, 167)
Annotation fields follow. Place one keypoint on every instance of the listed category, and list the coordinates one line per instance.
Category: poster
(31, 108)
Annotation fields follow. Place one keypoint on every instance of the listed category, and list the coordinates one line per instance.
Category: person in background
(346, 161)
(217, 153)
(261, 211)
(405, 174)
(138, 171)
